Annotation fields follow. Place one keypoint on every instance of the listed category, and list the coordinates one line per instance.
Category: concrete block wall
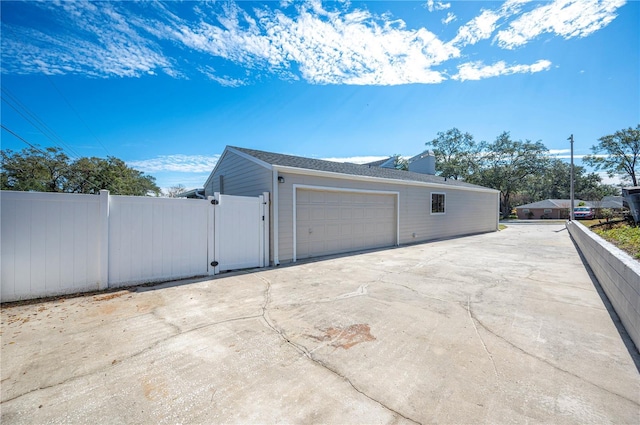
(617, 272)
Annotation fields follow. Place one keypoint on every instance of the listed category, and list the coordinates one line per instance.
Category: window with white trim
(437, 203)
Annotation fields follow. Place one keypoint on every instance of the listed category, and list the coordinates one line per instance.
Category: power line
(39, 124)
(11, 30)
(77, 114)
(20, 138)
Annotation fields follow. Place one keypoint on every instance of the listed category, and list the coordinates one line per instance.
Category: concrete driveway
(494, 328)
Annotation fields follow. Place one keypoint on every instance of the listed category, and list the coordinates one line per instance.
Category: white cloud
(432, 5)
(478, 70)
(177, 163)
(579, 156)
(450, 18)
(479, 28)
(332, 43)
(101, 44)
(224, 80)
(566, 18)
(616, 180)
(558, 151)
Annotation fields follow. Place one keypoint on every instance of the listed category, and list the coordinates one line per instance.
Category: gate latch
(214, 264)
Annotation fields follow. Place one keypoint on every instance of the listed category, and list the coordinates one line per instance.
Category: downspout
(275, 204)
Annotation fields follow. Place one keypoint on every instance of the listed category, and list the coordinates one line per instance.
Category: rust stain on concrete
(346, 337)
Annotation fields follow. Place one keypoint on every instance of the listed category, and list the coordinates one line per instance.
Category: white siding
(467, 212)
(241, 177)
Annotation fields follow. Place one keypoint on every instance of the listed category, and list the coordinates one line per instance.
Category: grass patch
(589, 223)
(623, 236)
(501, 227)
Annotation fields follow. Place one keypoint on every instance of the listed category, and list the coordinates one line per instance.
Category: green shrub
(625, 237)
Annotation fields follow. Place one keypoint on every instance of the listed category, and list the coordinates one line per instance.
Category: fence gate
(240, 233)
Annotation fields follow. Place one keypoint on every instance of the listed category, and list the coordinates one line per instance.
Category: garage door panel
(333, 231)
(345, 230)
(332, 213)
(343, 222)
(316, 197)
(317, 213)
(303, 214)
(317, 233)
(316, 246)
(303, 197)
(332, 246)
(332, 198)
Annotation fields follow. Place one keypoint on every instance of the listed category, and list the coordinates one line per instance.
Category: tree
(174, 191)
(506, 164)
(554, 183)
(51, 170)
(34, 169)
(455, 154)
(399, 163)
(617, 153)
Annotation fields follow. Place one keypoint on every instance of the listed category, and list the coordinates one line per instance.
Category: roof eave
(331, 174)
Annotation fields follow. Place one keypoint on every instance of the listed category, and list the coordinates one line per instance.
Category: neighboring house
(192, 194)
(549, 208)
(321, 207)
(614, 203)
(424, 163)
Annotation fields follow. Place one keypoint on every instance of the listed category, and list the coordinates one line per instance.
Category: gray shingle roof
(554, 203)
(378, 162)
(612, 202)
(349, 169)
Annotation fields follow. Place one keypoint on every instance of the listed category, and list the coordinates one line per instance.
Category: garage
(331, 221)
(319, 207)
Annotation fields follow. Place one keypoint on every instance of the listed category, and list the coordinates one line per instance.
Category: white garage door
(331, 222)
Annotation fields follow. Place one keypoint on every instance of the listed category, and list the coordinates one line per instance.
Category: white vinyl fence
(157, 239)
(55, 244)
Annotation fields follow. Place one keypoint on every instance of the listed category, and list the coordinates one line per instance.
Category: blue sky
(165, 86)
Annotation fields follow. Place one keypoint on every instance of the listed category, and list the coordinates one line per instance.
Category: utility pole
(572, 202)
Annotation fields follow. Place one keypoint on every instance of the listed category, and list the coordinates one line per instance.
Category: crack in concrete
(471, 317)
(547, 362)
(309, 355)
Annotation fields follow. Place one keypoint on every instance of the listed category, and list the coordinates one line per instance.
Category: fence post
(104, 239)
(216, 225)
(211, 235)
(266, 206)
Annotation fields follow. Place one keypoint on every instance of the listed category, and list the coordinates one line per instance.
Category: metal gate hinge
(214, 202)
